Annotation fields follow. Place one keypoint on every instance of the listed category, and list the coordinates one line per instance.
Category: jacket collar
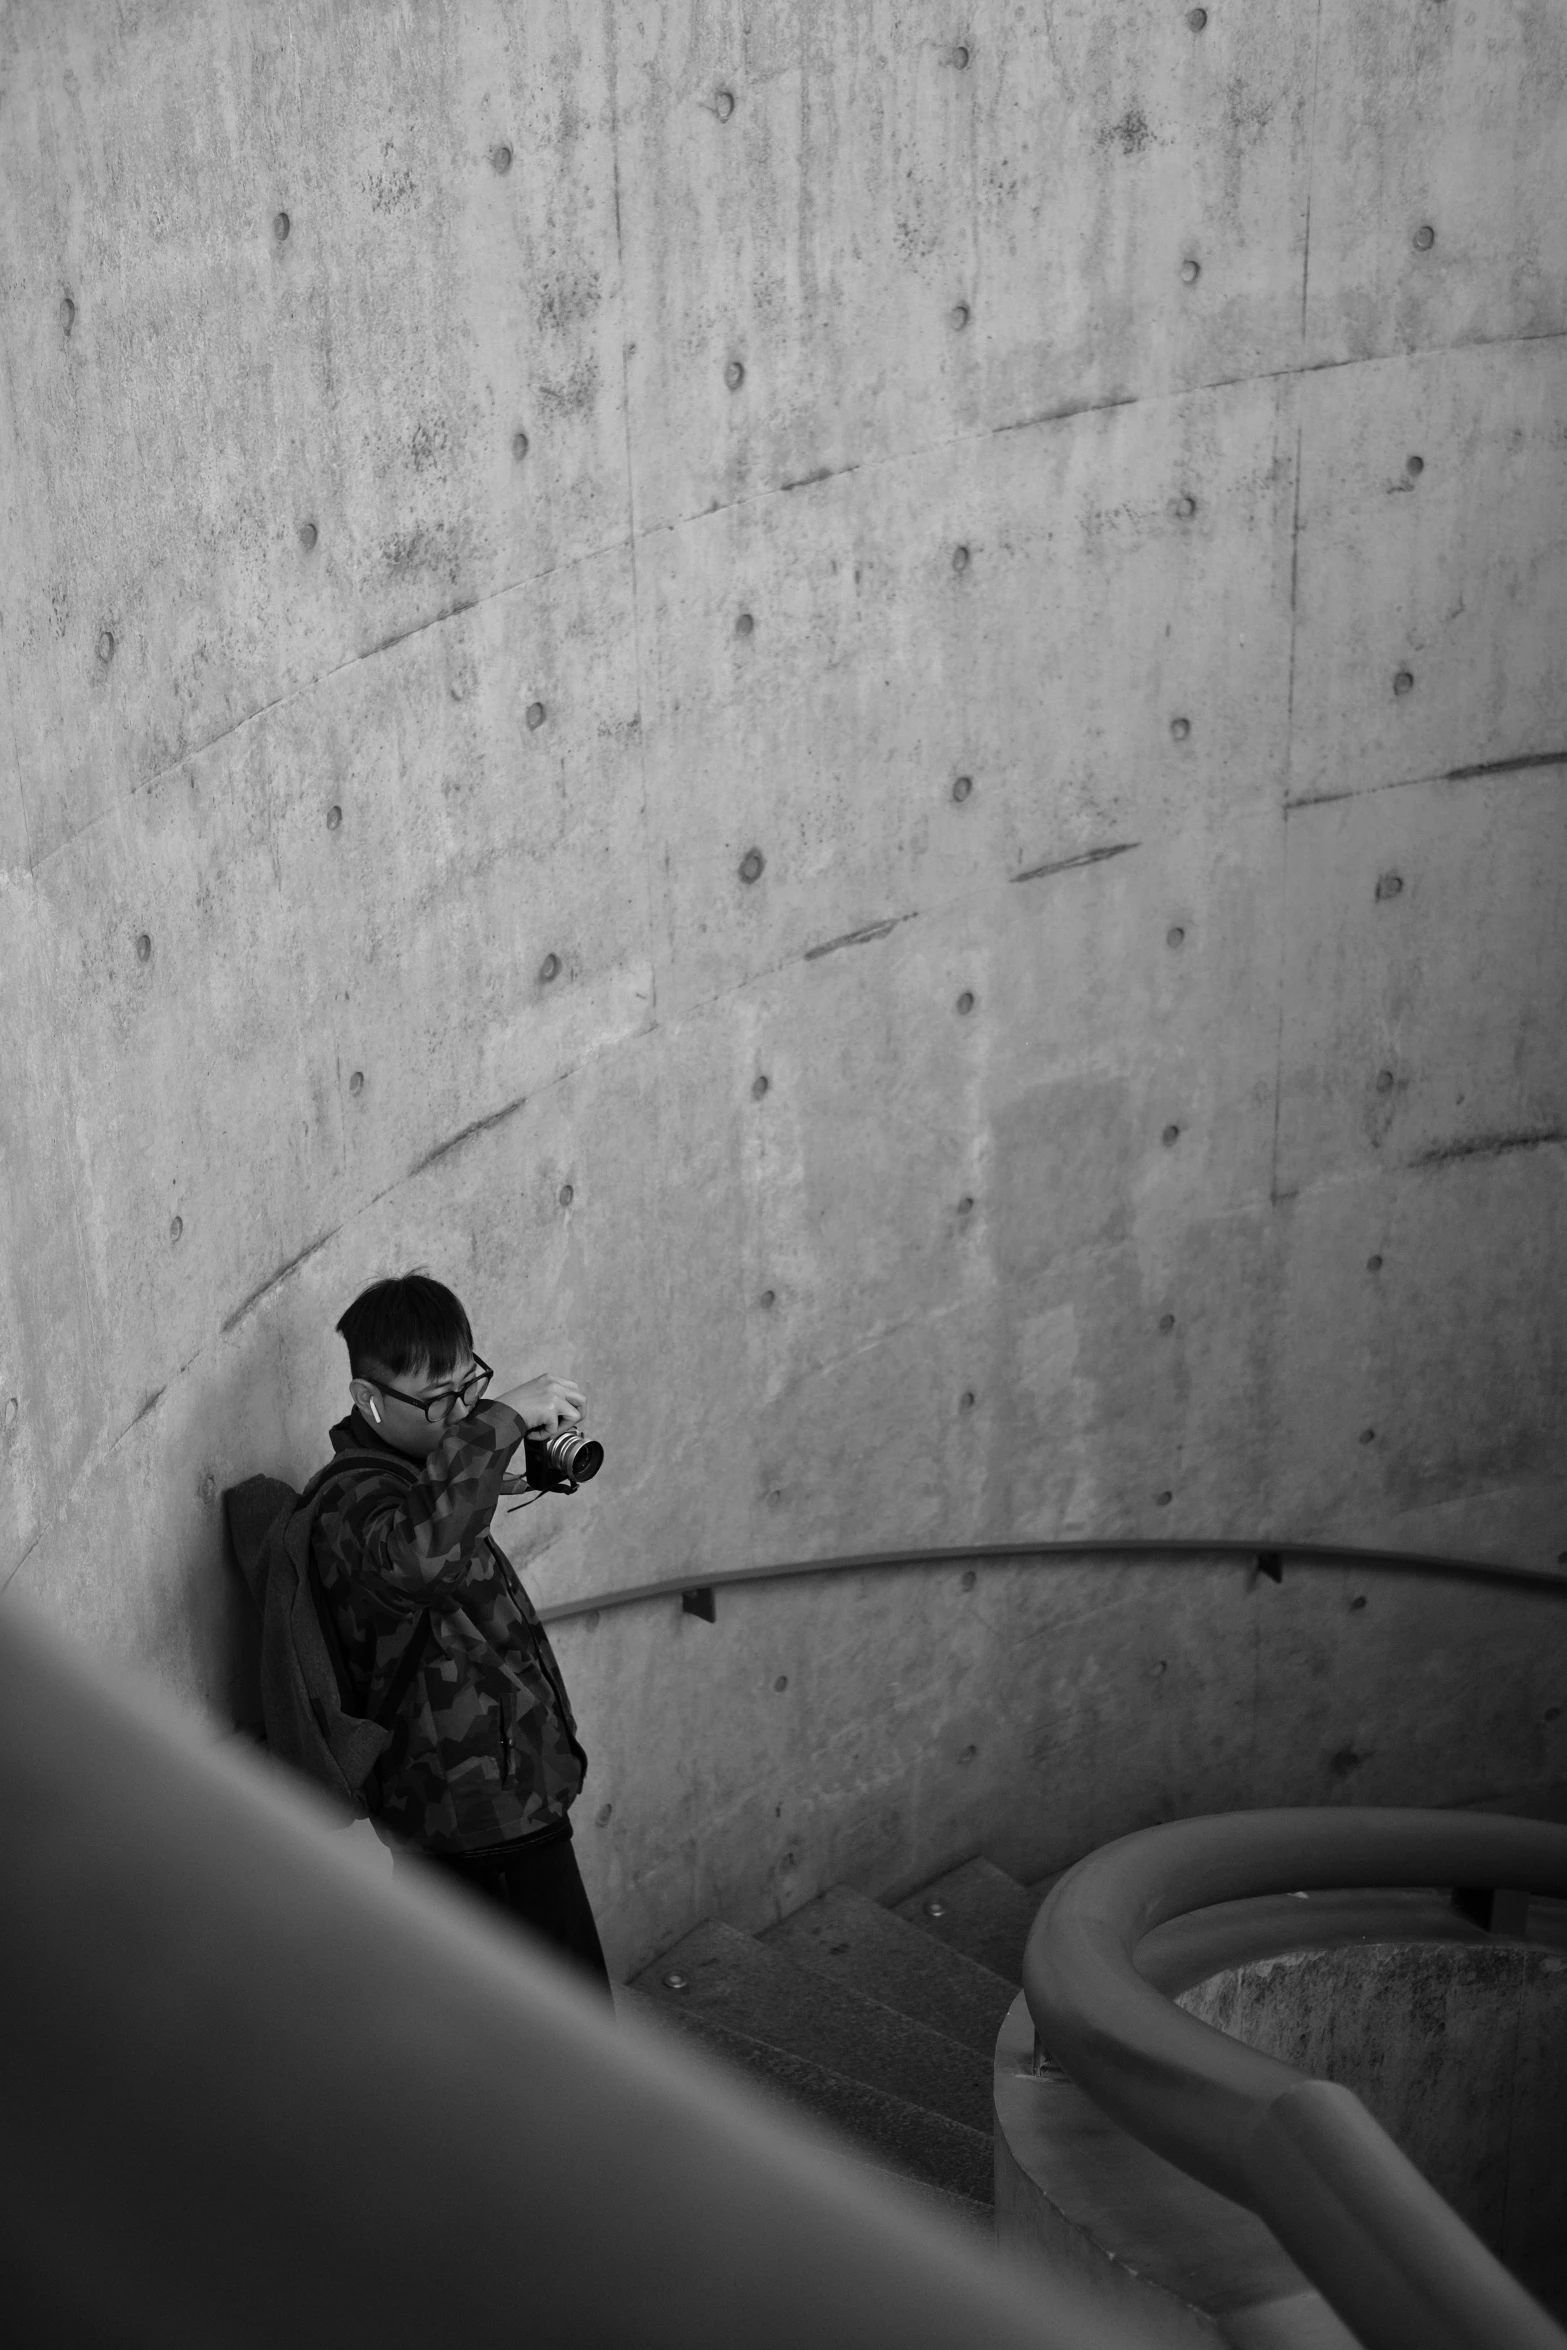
(357, 1434)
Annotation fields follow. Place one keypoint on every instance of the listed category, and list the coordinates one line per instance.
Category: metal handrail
(256, 2091)
(1267, 1553)
(1376, 2240)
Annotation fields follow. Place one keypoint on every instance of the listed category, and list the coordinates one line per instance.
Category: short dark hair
(408, 1323)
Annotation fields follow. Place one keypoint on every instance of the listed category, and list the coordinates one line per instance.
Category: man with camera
(435, 1629)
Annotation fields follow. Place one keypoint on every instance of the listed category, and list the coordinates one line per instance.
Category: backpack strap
(334, 1647)
(359, 1456)
(344, 1464)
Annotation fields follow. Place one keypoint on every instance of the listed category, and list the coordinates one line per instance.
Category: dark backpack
(307, 1703)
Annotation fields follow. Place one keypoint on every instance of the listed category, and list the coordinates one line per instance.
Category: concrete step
(731, 1979)
(845, 1938)
(891, 2132)
(979, 1910)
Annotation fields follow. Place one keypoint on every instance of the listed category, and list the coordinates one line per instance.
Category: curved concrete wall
(473, 474)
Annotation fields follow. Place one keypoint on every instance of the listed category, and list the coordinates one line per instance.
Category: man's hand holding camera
(545, 1403)
(558, 1458)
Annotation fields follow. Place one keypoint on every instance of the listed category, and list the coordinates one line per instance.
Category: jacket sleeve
(414, 1547)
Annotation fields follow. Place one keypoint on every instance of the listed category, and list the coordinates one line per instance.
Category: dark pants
(537, 1883)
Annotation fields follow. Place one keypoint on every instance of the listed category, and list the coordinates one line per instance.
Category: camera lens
(586, 1458)
(561, 1462)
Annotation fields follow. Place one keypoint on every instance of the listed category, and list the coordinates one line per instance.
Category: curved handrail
(1375, 2239)
(1269, 1552)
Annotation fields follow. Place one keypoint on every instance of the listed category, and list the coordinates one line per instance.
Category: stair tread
(984, 1913)
(895, 2133)
(843, 1937)
(735, 1980)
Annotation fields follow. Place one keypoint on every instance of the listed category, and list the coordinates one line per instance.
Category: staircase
(881, 2021)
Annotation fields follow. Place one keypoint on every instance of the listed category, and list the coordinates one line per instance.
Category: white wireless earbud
(376, 1410)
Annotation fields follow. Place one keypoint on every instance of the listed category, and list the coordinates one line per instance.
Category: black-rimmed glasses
(440, 1406)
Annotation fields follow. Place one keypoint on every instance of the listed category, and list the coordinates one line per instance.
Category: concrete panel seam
(877, 930)
(548, 1085)
(1519, 766)
(465, 1133)
(22, 1561)
(1120, 848)
(631, 489)
(282, 1274)
(808, 481)
(150, 1404)
(865, 1345)
(1068, 411)
(857, 938)
(1488, 1146)
(1505, 766)
(510, 587)
(1311, 165)
(1289, 697)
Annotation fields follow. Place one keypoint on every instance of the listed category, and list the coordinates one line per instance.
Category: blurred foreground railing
(1376, 2240)
(256, 2093)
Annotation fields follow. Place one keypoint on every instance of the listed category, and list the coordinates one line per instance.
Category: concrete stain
(420, 549)
(389, 189)
(1131, 134)
(429, 443)
(573, 394)
(563, 304)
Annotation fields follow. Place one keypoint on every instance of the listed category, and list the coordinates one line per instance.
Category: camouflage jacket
(484, 1745)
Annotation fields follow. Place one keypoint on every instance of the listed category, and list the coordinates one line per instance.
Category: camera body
(562, 1462)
